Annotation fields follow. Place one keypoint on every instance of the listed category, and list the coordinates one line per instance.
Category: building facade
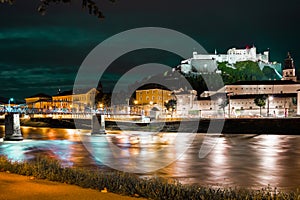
(39, 102)
(78, 101)
(66, 101)
(153, 96)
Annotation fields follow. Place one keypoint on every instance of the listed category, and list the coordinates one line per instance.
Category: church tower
(288, 72)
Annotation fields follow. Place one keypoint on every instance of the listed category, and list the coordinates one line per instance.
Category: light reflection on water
(236, 160)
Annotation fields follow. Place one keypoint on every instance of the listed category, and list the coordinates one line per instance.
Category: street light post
(229, 94)
(9, 108)
(270, 98)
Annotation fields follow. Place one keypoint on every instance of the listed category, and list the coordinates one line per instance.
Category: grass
(131, 185)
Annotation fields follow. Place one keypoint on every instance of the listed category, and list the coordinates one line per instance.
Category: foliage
(241, 71)
(260, 101)
(204, 82)
(92, 7)
(223, 104)
(130, 184)
(170, 104)
(103, 98)
(269, 73)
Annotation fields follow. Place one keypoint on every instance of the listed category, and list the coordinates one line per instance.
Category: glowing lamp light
(271, 98)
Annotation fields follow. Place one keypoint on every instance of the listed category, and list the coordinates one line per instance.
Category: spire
(99, 87)
(288, 62)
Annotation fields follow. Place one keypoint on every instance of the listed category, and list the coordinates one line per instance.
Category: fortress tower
(288, 72)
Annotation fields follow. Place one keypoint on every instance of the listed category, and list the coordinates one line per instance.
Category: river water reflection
(236, 160)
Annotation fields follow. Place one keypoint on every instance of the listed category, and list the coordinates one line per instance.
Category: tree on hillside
(260, 101)
(241, 71)
(269, 73)
(90, 5)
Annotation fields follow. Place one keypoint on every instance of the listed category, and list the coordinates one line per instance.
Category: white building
(281, 96)
(186, 102)
(207, 63)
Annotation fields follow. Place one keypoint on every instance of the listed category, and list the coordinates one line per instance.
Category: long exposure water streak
(236, 160)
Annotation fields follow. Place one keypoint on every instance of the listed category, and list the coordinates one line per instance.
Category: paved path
(14, 186)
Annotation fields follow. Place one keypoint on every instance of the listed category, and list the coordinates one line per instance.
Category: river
(235, 160)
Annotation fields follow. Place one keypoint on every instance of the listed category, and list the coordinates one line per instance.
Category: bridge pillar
(98, 126)
(12, 127)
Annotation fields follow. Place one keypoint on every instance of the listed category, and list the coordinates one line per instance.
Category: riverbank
(15, 187)
(283, 126)
(116, 182)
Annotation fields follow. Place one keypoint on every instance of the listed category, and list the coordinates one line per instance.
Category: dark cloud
(41, 53)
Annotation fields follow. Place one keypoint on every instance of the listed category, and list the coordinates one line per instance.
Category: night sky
(43, 53)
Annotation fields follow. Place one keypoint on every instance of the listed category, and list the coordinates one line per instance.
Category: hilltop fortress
(206, 63)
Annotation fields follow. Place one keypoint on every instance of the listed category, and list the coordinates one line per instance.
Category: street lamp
(9, 108)
(270, 98)
(229, 94)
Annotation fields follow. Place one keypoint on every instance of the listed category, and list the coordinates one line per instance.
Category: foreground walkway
(14, 186)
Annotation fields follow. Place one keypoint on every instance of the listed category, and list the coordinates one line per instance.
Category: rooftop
(40, 95)
(266, 82)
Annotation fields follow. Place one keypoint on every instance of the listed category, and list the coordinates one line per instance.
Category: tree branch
(92, 7)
